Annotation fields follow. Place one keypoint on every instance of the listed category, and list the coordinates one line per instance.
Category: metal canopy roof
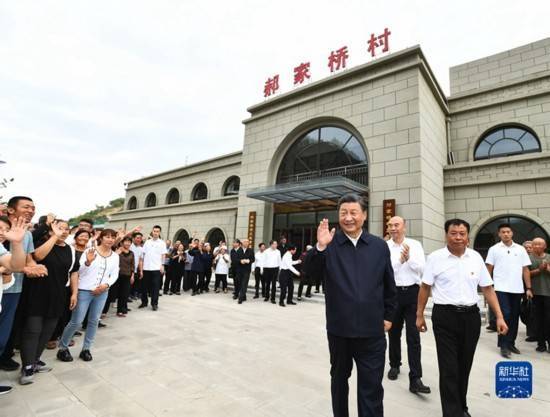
(310, 190)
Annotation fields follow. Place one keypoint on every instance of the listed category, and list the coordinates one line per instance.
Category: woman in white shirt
(99, 268)
(222, 262)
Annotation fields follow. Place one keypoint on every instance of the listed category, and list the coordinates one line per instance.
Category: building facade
(386, 130)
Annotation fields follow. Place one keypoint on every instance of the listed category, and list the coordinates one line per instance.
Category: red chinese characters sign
(337, 60)
(389, 211)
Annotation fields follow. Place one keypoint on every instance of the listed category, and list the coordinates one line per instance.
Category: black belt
(458, 309)
(405, 287)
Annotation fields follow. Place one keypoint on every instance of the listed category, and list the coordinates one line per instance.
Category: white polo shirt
(409, 272)
(508, 263)
(138, 254)
(152, 254)
(454, 279)
(272, 258)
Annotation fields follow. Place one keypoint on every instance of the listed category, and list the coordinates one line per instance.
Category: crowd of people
(70, 277)
(59, 280)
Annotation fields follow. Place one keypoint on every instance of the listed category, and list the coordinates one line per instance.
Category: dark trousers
(151, 286)
(220, 279)
(287, 285)
(271, 281)
(406, 312)
(193, 281)
(542, 320)
(303, 283)
(65, 318)
(201, 281)
(259, 282)
(135, 288)
(122, 293)
(369, 356)
(167, 278)
(319, 282)
(236, 284)
(187, 280)
(243, 277)
(456, 335)
(175, 286)
(10, 325)
(34, 336)
(510, 305)
(207, 278)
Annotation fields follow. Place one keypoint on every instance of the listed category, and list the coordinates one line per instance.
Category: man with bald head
(407, 258)
(540, 282)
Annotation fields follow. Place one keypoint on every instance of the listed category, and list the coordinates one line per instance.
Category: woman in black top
(207, 261)
(177, 266)
(43, 299)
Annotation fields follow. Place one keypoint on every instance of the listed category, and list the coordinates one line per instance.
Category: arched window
(324, 152)
(506, 141)
(132, 203)
(523, 228)
(231, 186)
(173, 196)
(182, 236)
(200, 192)
(151, 200)
(214, 236)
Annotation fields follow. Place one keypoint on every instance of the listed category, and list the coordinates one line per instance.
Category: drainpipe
(450, 154)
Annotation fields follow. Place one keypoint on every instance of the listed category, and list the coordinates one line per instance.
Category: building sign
(337, 60)
(251, 227)
(388, 207)
(514, 379)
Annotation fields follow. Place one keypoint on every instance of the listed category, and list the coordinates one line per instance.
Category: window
(324, 152)
(231, 186)
(132, 203)
(505, 141)
(200, 192)
(524, 229)
(173, 196)
(214, 236)
(151, 200)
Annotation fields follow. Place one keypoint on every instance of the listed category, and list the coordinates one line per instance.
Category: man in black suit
(245, 258)
(360, 299)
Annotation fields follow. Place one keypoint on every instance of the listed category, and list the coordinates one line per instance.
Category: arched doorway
(182, 236)
(320, 166)
(214, 236)
(523, 228)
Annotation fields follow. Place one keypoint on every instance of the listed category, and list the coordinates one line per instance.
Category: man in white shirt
(259, 269)
(151, 267)
(285, 277)
(407, 258)
(453, 274)
(509, 263)
(272, 262)
(137, 249)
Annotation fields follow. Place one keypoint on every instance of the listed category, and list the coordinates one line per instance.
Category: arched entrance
(214, 236)
(182, 236)
(523, 228)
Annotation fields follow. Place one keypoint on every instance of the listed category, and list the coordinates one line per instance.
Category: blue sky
(93, 94)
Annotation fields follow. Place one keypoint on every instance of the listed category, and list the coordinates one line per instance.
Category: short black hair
(291, 247)
(82, 231)
(136, 234)
(503, 225)
(260, 244)
(271, 242)
(353, 198)
(456, 222)
(156, 226)
(12, 203)
(89, 221)
(6, 220)
(126, 238)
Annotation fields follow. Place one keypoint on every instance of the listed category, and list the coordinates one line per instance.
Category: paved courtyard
(208, 356)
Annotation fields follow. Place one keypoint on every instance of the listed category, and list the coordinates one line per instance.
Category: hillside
(101, 213)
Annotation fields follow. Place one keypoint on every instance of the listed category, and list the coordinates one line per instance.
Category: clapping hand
(57, 229)
(90, 256)
(17, 231)
(324, 235)
(35, 271)
(404, 254)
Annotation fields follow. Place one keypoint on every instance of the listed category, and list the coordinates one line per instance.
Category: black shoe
(266, 299)
(316, 291)
(416, 386)
(235, 297)
(273, 302)
(165, 293)
(100, 324)
(466, 414)
(240, 301)
(128, 310)
(77, 333)
(541, 348)
(299, 298)
(9, 365)
(505, 353)
(392, 374)
(85, 355)
(64, 355)
(142, 305)
(256, 296)
(282, 304)
(155, 308)
(4, 389)
(531, 339)
(308, 295)
(160, 294)
(491, 329)
(515, 350)
(291, 303)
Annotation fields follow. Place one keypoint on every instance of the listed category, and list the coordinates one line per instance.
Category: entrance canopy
(308, 191)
